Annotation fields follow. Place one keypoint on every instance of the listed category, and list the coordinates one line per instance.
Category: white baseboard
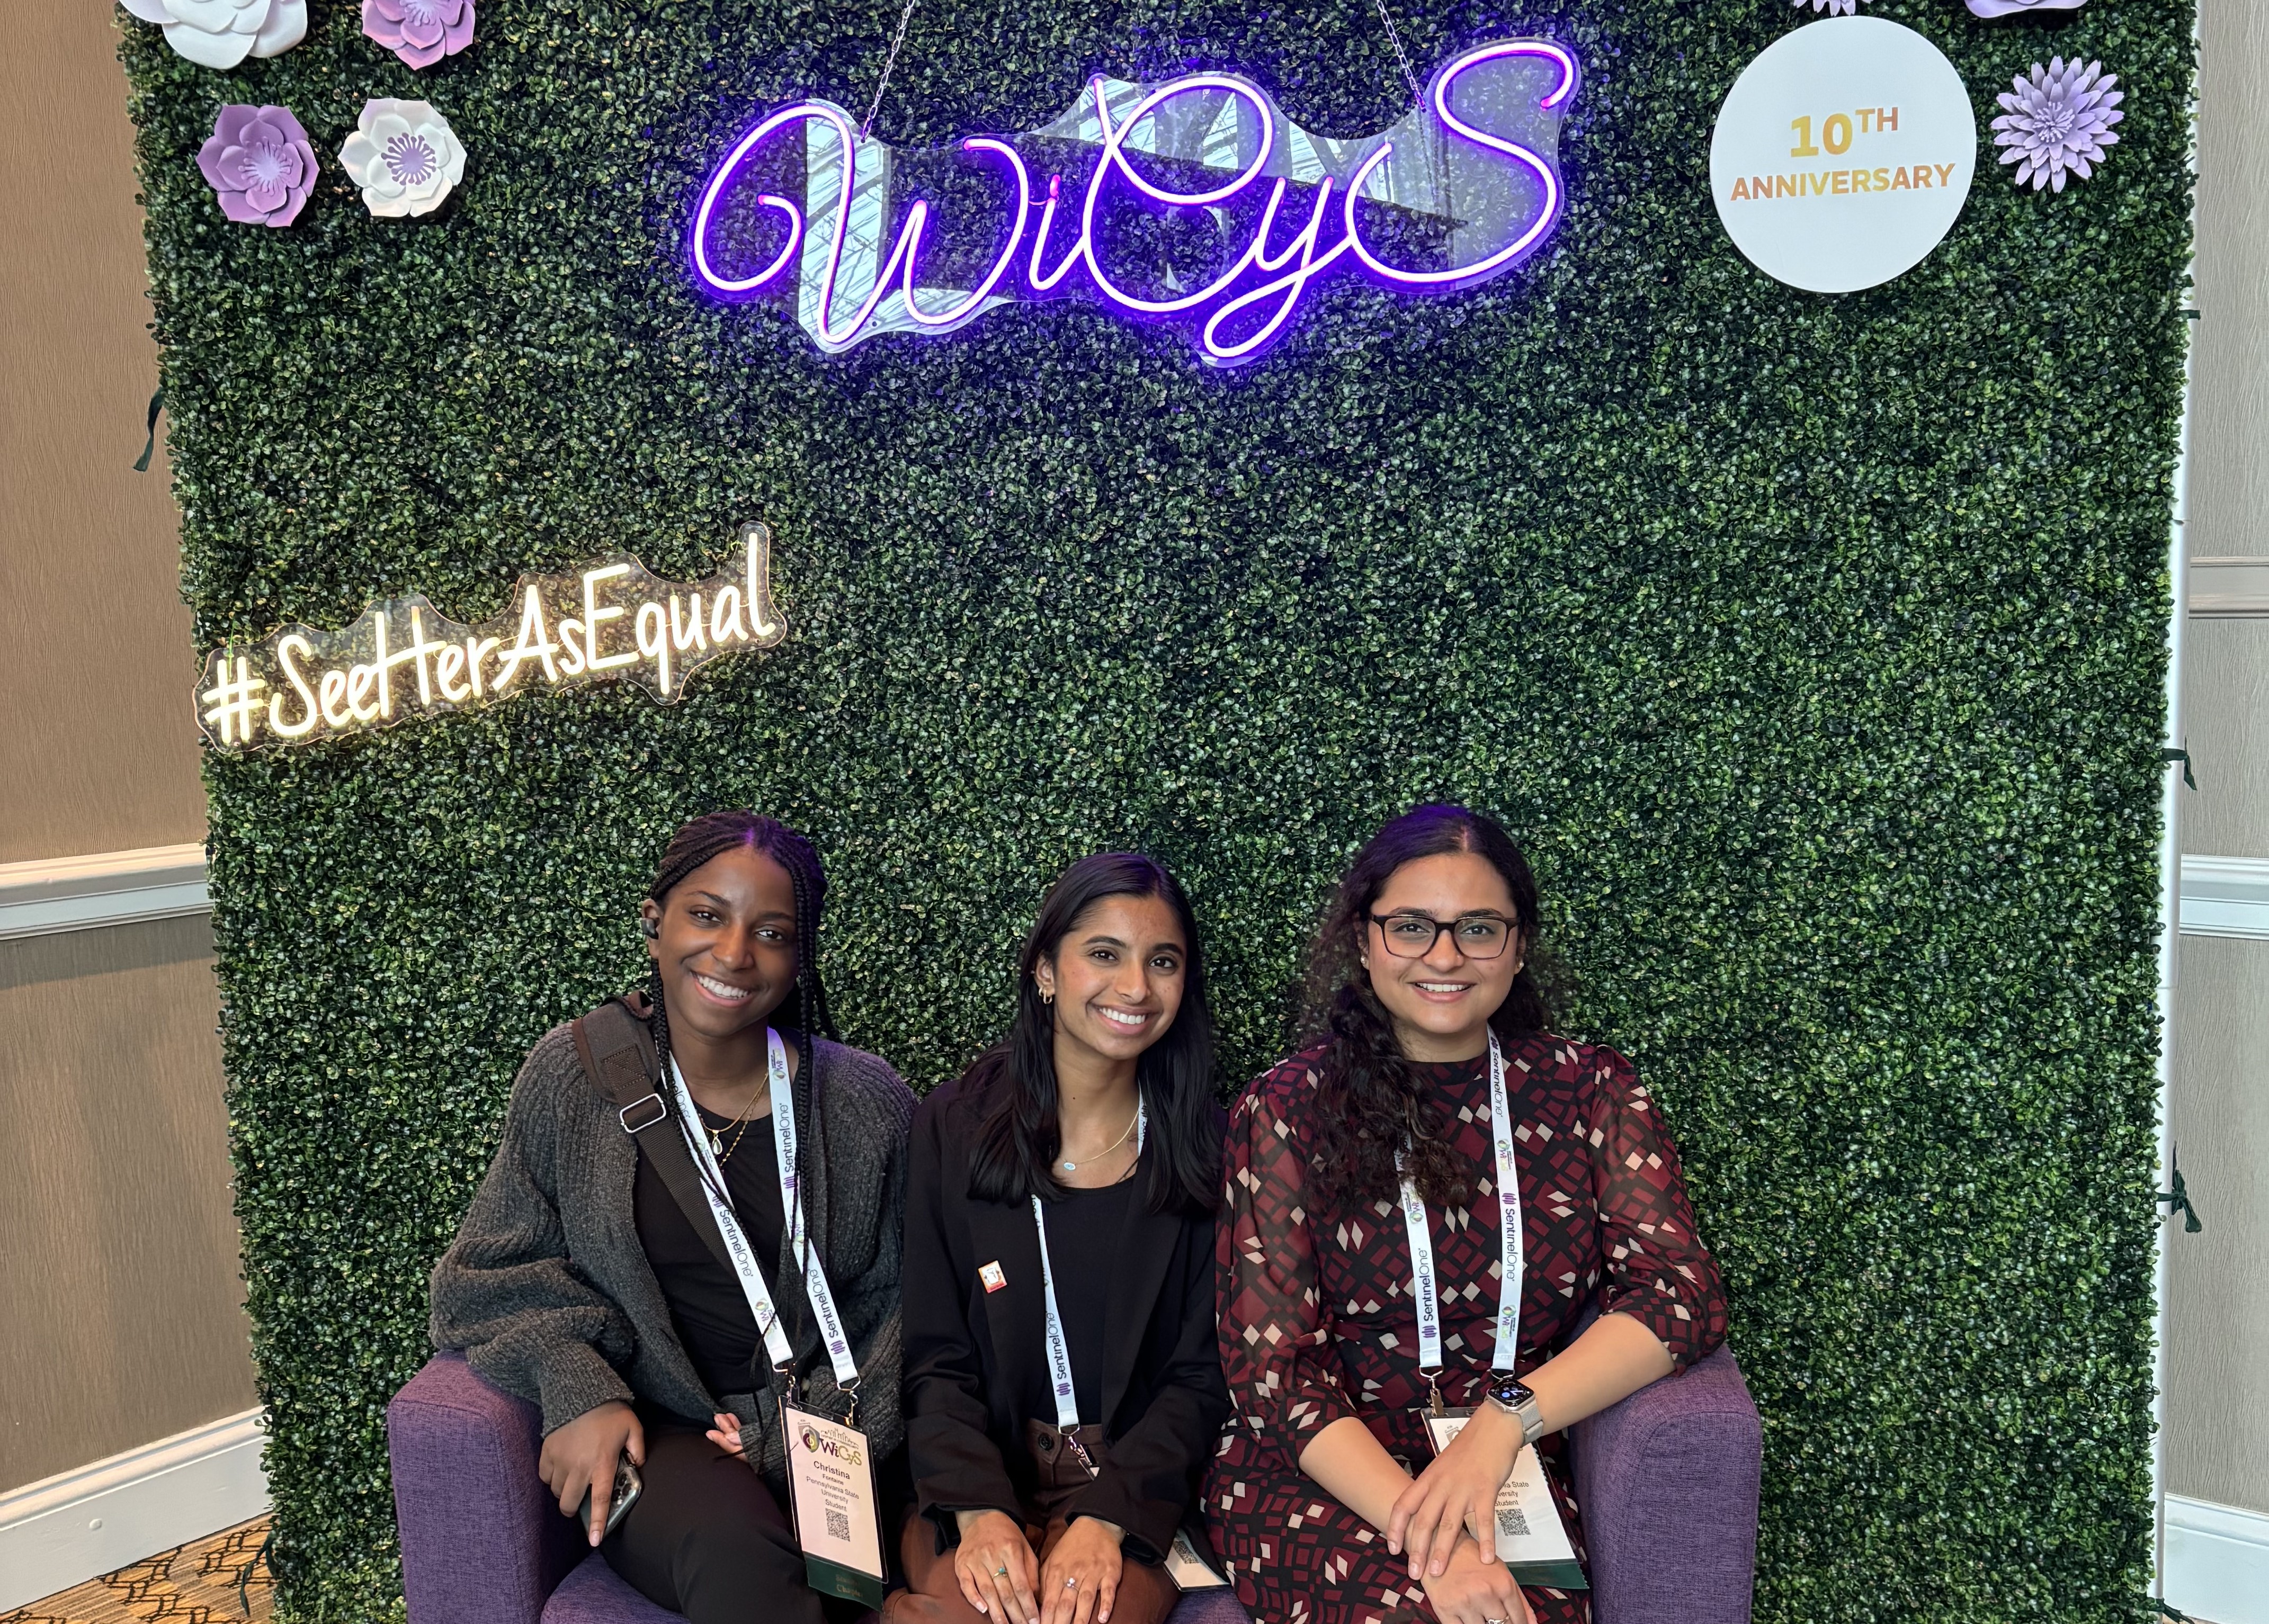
(2218, 1561)
(67, 1528)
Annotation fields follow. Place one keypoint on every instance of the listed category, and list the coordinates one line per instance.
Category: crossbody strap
(617, 1050)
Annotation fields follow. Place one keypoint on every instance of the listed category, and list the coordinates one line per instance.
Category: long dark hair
(1369, 1107)
(703, 839)
(1014, 1084)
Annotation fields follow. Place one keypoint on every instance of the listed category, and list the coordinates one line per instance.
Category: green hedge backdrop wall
(1813, 646)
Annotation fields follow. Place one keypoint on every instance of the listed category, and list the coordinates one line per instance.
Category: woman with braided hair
(594, 1277)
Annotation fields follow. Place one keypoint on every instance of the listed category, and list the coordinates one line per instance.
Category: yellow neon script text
(405, 658)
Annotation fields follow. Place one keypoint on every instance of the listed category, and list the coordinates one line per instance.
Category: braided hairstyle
(704, 839)
(1369, 1107)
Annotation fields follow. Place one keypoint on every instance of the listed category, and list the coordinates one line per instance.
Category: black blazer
(971, 1353)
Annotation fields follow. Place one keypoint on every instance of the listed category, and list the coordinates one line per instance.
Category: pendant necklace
(1072, 1167)
(741, 1123)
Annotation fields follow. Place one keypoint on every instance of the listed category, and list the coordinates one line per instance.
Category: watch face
(1509, 1390)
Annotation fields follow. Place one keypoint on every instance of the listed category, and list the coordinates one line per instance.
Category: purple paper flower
(2060, 119)
(420, 31)
(260, 162)
(2003, 8)
(1834, 8)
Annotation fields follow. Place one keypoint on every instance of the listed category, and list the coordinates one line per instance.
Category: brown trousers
(1145, 1595)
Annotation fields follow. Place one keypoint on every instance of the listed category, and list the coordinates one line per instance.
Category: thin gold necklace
(739, 1125)
(1072, 1167)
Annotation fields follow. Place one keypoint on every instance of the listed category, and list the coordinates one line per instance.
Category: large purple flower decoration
(260, 162)
(2003, 8)
(420, 31)
(2058, 120)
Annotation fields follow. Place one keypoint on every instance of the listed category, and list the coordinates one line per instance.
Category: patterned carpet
(217, 1580)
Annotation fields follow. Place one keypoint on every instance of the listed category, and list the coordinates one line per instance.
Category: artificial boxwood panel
(1812, 647)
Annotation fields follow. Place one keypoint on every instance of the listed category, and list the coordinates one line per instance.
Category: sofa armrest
(1667, 1481)
(482, 1540)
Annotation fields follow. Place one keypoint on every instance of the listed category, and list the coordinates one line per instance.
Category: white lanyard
(736, 1243)
(1423, 1290)
(1059, 1350)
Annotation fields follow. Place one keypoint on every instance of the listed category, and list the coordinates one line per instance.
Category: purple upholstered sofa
(1667, 1480)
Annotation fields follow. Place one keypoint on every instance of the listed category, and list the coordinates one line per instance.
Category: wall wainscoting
(2221, 895)
(105, 888)
(2217, 1561)
(2226, 896)
(67, 1528)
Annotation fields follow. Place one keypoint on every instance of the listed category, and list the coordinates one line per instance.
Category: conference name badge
(1531, 1540)
(1188, 1570)
(831, 1491)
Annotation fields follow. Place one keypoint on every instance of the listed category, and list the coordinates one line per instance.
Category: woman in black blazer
(1055, 1467)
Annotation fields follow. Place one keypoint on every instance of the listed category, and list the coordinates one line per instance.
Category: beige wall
(120, 1315)
(2217, 1400)
(2229, 480)
(2226, 713)
(118, 1274)
(2218, 1309)
(98, 748)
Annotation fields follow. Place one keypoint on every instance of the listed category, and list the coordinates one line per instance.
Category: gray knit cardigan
(548, 1293)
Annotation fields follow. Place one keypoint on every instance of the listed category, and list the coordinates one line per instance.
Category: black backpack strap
(617, 1048)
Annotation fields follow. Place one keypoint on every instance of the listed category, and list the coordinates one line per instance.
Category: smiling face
(726, 946)
(1117, 977)
(1440, 1002)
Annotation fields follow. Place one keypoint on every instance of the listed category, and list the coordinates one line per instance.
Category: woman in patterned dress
(1326, 1501)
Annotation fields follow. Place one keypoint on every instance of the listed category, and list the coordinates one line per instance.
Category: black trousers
(709, 1540)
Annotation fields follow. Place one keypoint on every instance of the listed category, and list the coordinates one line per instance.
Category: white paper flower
(405, 155)
(220, 33)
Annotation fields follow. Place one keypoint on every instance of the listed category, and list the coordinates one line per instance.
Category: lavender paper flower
(2058, 120)
(261, 162)
(404, 156)
(420, 31)
(1834, 8)
(2004, 8)
(220, 33)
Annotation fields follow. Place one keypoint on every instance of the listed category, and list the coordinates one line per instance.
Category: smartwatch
(1512, 1397)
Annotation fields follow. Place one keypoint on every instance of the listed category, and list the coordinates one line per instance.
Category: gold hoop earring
(1046, 996)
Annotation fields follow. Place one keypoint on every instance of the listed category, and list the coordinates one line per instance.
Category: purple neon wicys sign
(1195, 201)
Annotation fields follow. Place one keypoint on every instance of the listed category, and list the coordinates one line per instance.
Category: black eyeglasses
(1413, 935)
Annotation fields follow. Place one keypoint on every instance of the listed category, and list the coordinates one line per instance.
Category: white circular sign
(1843, 154)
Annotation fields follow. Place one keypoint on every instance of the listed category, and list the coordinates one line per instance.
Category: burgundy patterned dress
(1317, 1322)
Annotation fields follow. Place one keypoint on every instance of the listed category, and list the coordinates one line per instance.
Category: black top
(706, 1303)
(976, 1339)
(1085, 1230)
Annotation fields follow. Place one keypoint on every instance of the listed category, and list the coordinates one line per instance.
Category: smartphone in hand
(628, 1487)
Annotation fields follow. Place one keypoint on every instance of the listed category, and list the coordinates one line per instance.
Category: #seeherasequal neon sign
(403, 657)
(1193, 201)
